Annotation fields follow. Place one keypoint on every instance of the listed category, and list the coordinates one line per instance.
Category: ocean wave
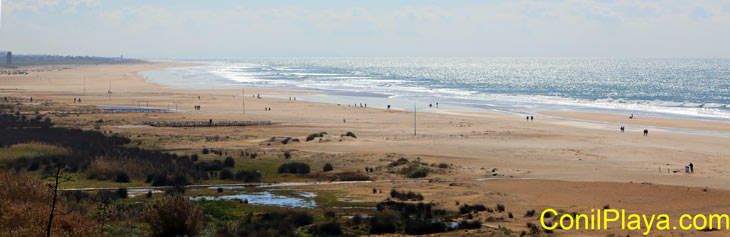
(619, 86)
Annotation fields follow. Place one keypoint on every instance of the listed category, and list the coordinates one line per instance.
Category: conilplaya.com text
(602, 219)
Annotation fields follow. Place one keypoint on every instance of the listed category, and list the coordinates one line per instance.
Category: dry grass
(174, 216)
(30, 150)
(25, 204)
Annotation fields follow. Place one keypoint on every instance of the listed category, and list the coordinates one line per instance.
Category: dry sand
(571, 165)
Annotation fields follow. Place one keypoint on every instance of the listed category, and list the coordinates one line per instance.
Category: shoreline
(219, 75)
(673, 123)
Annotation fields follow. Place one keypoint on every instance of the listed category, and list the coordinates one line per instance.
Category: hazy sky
(367, 28)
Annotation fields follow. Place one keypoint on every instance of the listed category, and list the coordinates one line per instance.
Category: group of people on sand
(197, 107)
(431, 105)
(76, 100)
(646, 131)
(290, 98)
(267, 108)
(530, 118)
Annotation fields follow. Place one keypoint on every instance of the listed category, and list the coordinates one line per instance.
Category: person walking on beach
(622, 129)
(437, 105)
(646, 132)
(388, 107)
(532, 118)
(528, 118)
(430, 105)
(691, 168)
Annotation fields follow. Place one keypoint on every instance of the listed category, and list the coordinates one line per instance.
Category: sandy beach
(571, 165)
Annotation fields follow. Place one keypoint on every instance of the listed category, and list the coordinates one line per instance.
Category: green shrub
(406, 196)
(268, 224)
(122, 193)
(415, 171)
(315, 135)
(248, 176)
(326, 229)
(229, 162)
(423, 227)
(225, 174)
(327, 167)
(400, 161)
(294, 168)
(174, 216)
(466, 208)
(121, 177)
(382, 223)
(349, 134)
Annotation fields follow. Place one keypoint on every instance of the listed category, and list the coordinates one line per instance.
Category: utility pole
(414, 119)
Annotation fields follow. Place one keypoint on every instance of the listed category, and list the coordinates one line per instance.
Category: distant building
(9, 58)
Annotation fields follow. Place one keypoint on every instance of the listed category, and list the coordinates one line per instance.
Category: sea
(676, 88)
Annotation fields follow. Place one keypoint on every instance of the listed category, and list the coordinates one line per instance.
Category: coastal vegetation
(35, 148)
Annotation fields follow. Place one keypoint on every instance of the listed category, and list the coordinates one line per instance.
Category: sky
(165, 29)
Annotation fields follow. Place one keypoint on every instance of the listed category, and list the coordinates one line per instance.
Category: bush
(349, 134)
(225, 174)
(406, 196)
(422, 227)
(500, 208)
(327, 167)
(248, 176)
(294, 168)
(470, 224)
(466, 208)
(229, 162)
(121, 177)
(175, 190)
(330, 228)
(160, 180)
(174, 216)
(419, 172)
(315, 135)
(443, 165)
(382, 223)
(269, 224)
(352, 176)
(400, 161)
(205, 151)
(122, 193)
(530, 213)
(356, 219)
